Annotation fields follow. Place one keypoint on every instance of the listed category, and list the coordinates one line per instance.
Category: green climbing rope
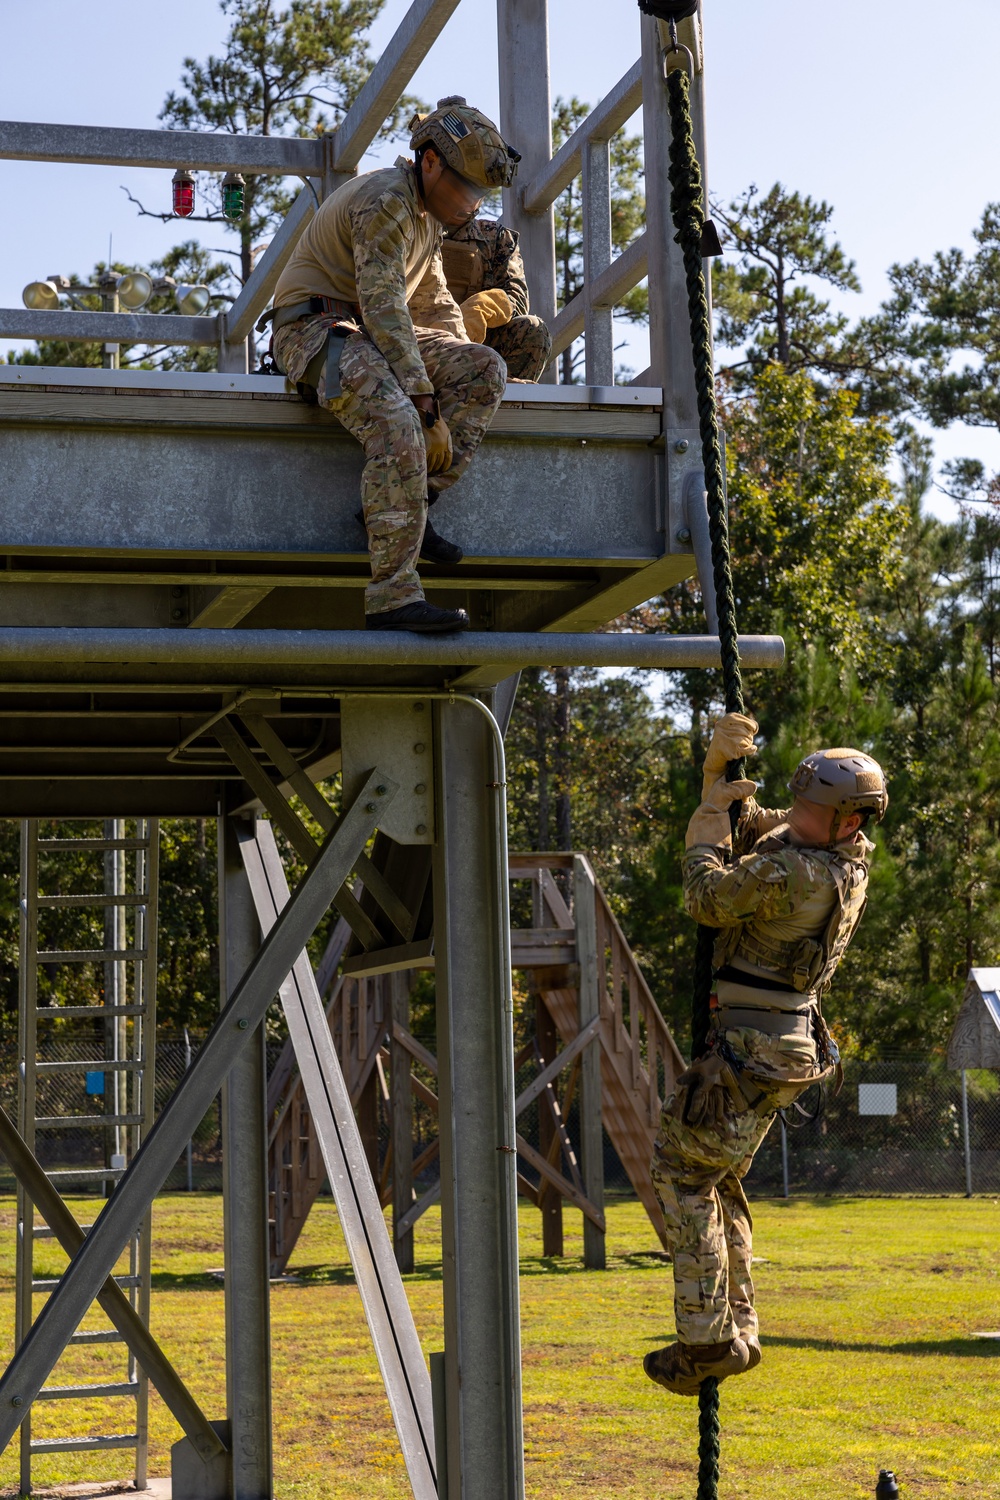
(688, 211)
(708, 1439)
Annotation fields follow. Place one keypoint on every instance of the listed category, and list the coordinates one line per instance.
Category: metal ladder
(99, 1043)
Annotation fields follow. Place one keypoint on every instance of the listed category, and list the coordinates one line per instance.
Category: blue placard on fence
(95, 1083)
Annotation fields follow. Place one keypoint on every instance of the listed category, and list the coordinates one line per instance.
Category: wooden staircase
(594, 1010)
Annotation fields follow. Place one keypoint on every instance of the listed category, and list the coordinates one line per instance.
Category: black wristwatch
(432, 417)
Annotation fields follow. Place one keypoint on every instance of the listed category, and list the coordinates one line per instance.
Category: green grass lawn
(868, 1311)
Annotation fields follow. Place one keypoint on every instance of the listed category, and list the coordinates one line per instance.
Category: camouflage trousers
(468, 381)
(524, 345)
(698, 1173)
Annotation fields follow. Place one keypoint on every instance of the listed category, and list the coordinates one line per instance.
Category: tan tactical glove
(732, 738)
(710, 821)
(708, 1086)
(485, 310)
(437, 441)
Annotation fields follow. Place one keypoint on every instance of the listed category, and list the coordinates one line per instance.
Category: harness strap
(770, 1022)
(331, 306)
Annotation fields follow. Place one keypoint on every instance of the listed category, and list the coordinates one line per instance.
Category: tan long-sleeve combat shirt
(776, 893)
(373, 243)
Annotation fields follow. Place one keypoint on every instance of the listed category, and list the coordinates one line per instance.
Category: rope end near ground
(708, 1439)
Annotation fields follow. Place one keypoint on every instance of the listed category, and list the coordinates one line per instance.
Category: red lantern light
(183, 193)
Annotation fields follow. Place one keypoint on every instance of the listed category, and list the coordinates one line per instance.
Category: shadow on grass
(983, 1348)
(530, 1265)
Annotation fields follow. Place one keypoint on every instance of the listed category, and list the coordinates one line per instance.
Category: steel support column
(245, 1201)
(476, 1079)
(526, 122)
(671, 363)
(599, 321)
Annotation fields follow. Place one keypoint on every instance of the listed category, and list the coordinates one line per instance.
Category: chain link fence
(899, 1125)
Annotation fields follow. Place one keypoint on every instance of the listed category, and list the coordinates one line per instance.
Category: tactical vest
(806, 964)
(464, 267)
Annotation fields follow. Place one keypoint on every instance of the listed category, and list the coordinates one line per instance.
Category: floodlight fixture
(233, 196)
(182, 192)
(134, 289)
(191, 300)
(41, 296)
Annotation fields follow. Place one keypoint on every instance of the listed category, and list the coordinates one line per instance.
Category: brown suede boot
(753, 1347)
(681, 1368)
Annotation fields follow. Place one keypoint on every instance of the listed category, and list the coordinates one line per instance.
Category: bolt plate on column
(394, 733)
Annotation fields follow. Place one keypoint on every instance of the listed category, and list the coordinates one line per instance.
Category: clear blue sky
(890, 111)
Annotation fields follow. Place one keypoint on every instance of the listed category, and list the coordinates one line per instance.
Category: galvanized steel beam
(411, 41)
(476, 1112)
(198, 150)
(119, 328)
(245, 1211)
(526, 121)
(247, 652)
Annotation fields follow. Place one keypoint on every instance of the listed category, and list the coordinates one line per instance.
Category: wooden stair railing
(355, 1013)
(639, 1062)
(639, 1058)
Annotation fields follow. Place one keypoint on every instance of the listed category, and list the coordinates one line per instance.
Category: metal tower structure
(180, 613)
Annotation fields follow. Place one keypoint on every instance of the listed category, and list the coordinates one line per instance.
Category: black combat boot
(420, 616)
(433, 548)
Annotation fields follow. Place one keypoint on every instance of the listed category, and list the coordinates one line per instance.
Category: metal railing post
(526, 121)
(966, 1143)
(598, 321)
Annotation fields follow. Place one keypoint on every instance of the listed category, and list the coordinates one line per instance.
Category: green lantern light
(233, 196)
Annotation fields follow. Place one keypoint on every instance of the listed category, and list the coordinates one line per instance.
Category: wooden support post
(591, 1132)
(549, 1201)
(401, 1096)
(367, 1107)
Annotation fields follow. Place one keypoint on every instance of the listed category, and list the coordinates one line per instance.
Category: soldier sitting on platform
(786, 908)
(485, 276)
(418, 400)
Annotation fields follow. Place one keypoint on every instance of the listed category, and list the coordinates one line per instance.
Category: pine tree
(766, 303)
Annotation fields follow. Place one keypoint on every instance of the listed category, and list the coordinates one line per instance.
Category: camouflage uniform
(774, 902)
(483, 256)
(386, 360)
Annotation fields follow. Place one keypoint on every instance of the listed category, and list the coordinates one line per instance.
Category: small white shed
(975, 1038)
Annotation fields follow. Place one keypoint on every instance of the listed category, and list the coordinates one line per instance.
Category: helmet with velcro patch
(468, 141)
(848, 780)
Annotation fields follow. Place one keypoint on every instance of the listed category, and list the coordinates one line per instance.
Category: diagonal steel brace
(112, 1300)
(387, 1310)
(96, 1258)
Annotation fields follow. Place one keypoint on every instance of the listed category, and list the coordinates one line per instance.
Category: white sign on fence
(876, 1098)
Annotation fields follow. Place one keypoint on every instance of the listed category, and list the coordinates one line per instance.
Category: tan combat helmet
(469, 142)
(848, 780)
